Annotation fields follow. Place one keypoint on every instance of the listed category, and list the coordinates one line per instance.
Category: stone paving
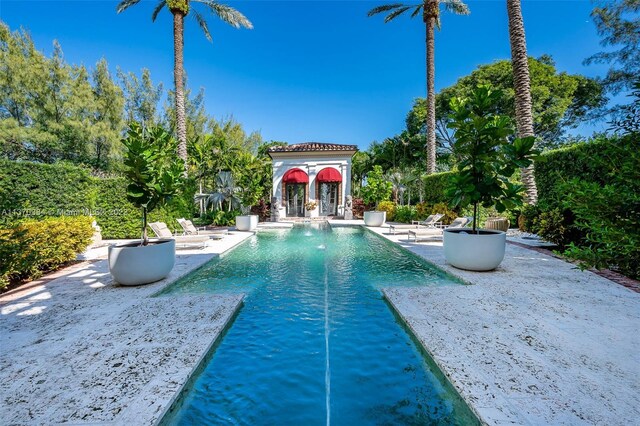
(536, 342)
(82, 349)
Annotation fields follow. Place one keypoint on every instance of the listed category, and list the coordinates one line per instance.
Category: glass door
(328, 199)
(295, 199)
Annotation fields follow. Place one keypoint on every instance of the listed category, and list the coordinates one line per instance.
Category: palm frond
(159, 6)
(384, 8)
(456, 6)
(125, 4)
(203, 24)
(393, 15)
(417, 10)
(227, 14)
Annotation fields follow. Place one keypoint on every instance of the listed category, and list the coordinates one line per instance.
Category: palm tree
(431, 18)
(522, 87)
(180, 9)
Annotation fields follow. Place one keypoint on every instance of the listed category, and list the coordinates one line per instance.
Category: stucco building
(311, 172)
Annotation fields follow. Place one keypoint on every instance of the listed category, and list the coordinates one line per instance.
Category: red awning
(329, 174)
(295, 176)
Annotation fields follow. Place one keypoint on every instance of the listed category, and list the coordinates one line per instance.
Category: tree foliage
(486, 156)
(560, 101)
(618, 23)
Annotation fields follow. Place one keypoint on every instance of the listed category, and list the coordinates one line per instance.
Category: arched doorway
(294, 184)
(329, 181)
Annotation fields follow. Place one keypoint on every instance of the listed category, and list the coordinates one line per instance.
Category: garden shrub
(405, 214)
(423, 210)
(556, 226)
(32, 247)
(389, 207)
(527, 217)
(443, 208)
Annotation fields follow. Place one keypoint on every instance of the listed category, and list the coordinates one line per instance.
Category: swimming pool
(315, 342)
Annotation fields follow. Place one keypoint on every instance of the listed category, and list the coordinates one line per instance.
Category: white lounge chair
(430, 222)
(436, 233)
(190, 229)
(182, 241)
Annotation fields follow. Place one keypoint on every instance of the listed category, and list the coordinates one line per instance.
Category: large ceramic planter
(474, 252)
(374, 218)
(133, 264)
(247, 222)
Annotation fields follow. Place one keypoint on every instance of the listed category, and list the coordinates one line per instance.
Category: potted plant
(377, 189)
(155, 174)
(250, 191)
(487, 158)
(309, 207)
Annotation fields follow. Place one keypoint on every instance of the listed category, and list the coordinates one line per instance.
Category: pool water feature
(315, 343)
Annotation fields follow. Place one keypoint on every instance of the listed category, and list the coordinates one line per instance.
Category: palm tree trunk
(522, 86)
(178, 76)
(431, 13)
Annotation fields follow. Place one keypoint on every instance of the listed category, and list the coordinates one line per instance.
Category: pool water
(315, 343)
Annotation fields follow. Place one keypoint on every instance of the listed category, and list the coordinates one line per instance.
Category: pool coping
(498, 384)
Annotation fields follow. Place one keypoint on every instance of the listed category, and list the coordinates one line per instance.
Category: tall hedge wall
(42, 190)
(557, 167)
(434, 187)
(34, 190)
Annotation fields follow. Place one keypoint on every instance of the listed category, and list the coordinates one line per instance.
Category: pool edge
(414, 336)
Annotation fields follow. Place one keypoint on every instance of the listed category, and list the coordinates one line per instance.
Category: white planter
(374, 218)
(133, 264)
(474, 252)
(247, 222)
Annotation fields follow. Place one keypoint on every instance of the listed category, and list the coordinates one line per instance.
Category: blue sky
(309, 70)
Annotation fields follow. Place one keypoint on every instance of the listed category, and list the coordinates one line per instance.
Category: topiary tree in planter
(154, 172)
(487, 157)
(376, 190)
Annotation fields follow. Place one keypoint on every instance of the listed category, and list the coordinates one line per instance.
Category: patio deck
(81, 349)
(535, 342)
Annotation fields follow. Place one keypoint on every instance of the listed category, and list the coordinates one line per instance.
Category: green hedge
(33, 247)
(434, 187)
(36, 191)
(557, 167)
(589, 202)
(42, 190)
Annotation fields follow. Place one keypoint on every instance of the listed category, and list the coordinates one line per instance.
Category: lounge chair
(182, 241)
(431, 222)
(190, 229)
(433, 233)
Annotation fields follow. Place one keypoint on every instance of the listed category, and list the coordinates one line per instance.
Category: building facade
(311, 173)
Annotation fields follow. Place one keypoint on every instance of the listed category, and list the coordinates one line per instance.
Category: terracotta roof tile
(313, 146)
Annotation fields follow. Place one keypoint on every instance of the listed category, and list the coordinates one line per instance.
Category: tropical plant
(180, 9)
(377, 188)
(153, 171)
(226, 191)
(522, 87)
(487, 159)
(431, 17)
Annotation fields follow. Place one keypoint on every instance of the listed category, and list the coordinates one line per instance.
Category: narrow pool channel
(315, 343)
